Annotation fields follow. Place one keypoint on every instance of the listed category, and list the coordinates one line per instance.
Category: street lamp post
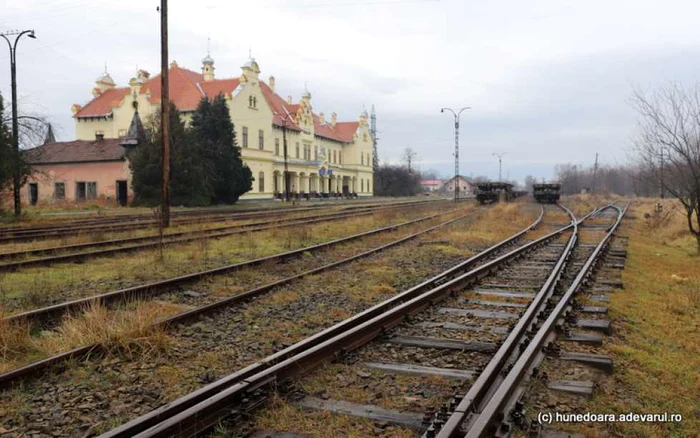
(456, 114)
(500, 159)
(15, 124)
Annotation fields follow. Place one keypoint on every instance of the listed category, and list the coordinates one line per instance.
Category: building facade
(432, 185)
(465, 186)
(324, 157)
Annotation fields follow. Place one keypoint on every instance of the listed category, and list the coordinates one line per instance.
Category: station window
(362, 185)
(362, 158)
(261, 182)
(277, 146)
(316, 153)
(85, 190)
(59, 190)
(244, 136)
(340, 157)
(297, 150)
(334, 156)
(261, 139)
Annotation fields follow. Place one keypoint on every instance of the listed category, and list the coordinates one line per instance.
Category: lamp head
(31, 35)
(442, 110)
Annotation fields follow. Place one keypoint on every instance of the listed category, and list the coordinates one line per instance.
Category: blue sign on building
(322, 172)
(330, 172)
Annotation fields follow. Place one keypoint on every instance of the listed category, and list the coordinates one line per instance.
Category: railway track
(224, 317)
(119, 246)
(50, 315)
(491, 406)
(15, 234)
(246, 389)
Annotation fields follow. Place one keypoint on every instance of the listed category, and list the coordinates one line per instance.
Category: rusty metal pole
(164, 116)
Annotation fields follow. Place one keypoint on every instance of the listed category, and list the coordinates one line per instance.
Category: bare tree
(408, 156)
(667, 144)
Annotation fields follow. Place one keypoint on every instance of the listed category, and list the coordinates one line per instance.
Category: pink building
(465, 186)
(77, 171)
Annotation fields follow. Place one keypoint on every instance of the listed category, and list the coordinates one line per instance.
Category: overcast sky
(548, 80)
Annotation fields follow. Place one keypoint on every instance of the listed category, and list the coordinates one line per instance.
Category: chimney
(289, 100)
(99, 136)
(334, 119)
(321, 118)
(271, 82)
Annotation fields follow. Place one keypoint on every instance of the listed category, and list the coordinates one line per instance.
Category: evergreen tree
(214, 134)
(189, 185)
(6, 152)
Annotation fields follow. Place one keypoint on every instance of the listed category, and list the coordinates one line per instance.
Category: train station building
(325, 156)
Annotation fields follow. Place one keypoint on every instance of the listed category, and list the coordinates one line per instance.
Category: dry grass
(657, 344)
(73, 280)
(130, 332)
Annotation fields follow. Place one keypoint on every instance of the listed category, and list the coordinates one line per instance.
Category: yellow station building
(324, 156)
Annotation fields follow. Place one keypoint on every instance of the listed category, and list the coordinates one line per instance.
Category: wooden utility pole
(164, 116)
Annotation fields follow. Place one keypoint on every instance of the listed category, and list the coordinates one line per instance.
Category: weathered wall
(105, 174)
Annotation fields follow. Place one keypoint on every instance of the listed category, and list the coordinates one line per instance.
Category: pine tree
(214, 133)
(189, 184)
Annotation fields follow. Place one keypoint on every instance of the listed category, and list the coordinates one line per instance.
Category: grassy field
(656, 344)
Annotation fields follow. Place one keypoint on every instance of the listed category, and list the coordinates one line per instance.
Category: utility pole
(15, 124)
(456, 115)
(662, 173)
(595, 173)
(375, 139)
(500, 168)
(286, 165)
(164, 116)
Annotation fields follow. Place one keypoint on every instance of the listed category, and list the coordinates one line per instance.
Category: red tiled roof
(184, 92)
(346, 130)
(219, 86)
(431, 182)
(76, 151)
(102, 105)
(187, 88)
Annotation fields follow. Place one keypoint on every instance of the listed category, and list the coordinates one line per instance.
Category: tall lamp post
(456, 113)
(500, 162)
(15, 128)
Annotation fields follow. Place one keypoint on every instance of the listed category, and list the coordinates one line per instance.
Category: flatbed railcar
(546, 192)
(487, 193)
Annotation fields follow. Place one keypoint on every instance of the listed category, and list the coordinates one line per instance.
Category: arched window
(261, 182)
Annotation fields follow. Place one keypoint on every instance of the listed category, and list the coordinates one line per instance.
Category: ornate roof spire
(136, 134)
(50, 137)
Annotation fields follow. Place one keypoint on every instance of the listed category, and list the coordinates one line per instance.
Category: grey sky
(548, 80)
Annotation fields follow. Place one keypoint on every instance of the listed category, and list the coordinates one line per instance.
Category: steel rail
(154, 241)
(493, 407)
(490, 375)
(203, 212)
(62, 230)
(204, 407)
(34, 368)
(52, 313)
